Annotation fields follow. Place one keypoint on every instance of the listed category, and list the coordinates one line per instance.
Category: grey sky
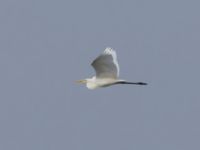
(46, 45)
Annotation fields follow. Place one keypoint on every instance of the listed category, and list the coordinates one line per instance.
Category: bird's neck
(91, 83)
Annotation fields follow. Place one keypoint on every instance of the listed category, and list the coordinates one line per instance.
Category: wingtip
(108, 50)
(109, 47)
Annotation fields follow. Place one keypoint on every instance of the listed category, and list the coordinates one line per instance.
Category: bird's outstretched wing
(106, 65)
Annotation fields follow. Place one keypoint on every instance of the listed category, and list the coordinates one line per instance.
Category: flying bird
(107, 71)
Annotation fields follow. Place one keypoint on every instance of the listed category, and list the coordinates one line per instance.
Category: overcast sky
(46, 45)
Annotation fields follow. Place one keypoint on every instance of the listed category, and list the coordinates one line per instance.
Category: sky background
(46, 45)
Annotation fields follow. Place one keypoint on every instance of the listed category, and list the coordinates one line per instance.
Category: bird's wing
(106, 65)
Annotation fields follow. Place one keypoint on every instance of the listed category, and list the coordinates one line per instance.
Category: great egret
(107, 71)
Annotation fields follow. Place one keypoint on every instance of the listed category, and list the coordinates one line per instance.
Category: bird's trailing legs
(137, 83)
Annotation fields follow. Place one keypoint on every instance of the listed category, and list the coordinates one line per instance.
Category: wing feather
(106, 65)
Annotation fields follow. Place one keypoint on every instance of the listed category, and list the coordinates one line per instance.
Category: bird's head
(90, 83)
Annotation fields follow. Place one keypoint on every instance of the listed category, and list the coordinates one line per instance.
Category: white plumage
(106, 65)
(107, 71)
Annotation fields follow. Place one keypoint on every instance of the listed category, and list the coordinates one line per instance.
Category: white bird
(107, 71)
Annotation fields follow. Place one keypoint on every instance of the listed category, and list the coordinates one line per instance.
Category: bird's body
(107, 71)
(94, 82)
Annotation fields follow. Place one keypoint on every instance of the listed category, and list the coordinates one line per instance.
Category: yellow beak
(81, 81)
